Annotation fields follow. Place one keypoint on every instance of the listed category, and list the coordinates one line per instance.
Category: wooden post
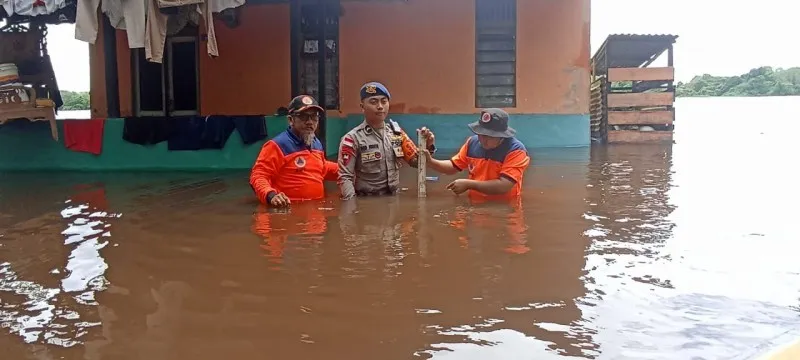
(110, 57)
(421, 167)
(422, 230)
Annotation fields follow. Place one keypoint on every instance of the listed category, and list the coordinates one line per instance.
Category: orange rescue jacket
(285, 164)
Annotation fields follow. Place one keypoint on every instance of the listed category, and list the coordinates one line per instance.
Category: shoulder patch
(346, 157)
(348, 143)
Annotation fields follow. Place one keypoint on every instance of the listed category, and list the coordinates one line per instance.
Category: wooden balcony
(631, 102)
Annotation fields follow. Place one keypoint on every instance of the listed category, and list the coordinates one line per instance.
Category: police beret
(373, 88)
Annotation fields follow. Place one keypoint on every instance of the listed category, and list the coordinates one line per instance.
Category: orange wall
(553, 52)
(252, 74)
(424, 51)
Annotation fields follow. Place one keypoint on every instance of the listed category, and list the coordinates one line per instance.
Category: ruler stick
(421, 167)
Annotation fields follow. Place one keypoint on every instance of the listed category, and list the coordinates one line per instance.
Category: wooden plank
(421, 173)
(641, 74)
(641, 99)
(659, 117)
(639, 137)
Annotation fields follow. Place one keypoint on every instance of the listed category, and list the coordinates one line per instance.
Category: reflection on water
(44, 300)
(618, 252)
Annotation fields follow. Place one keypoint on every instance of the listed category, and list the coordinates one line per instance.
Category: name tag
(370, 156)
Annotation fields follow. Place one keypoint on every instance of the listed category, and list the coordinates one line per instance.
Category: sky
(715, 36)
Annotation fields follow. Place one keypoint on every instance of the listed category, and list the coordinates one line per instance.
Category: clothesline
(146, 22)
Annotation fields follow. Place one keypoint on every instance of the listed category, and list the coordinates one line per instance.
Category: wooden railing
(642, 110)
(597, 110)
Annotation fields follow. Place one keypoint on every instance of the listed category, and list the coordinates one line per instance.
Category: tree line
(763, 81)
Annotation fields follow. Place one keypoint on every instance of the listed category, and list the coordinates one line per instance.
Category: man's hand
(458, 186)
(427, 154)
(280, 200)
(428, 135)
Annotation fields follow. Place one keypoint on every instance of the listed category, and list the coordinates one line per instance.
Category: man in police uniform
(370, 155)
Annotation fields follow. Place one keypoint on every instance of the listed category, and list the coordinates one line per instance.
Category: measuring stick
(421, 167)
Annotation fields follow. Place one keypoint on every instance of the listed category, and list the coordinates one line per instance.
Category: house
(442, 60)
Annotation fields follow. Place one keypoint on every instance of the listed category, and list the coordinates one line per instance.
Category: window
(172, 87)
(495, 53)
(311, 32)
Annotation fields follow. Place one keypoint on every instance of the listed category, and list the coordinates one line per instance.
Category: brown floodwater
(685, 251)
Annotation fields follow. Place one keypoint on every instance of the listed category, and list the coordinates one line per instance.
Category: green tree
(763, 81)
(75, 100)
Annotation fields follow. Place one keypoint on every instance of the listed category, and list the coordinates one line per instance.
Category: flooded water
(686, 251)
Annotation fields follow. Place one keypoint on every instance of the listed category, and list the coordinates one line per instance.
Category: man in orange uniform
(495, 159)
(292, 165)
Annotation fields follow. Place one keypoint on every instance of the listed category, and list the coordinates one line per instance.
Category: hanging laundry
(251, 128)
(155, 33)
(86, 20)
(211, 42)
(64, 15)
(230, 17)
(217, 6)
(84, 135)
(180, 17)
(135, 22)
(174, 3)
(33, 7)
(187, 133)
(199, 133)
(157, 23)
(127, 15)
(212, 132)
(147, 130)
(218, 129)
(113, 10)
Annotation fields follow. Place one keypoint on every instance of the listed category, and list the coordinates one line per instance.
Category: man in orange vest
(292, 165)
(495, 159)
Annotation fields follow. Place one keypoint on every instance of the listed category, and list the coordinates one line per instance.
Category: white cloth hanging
(86, 20)
(216, 6)
(32, 7)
